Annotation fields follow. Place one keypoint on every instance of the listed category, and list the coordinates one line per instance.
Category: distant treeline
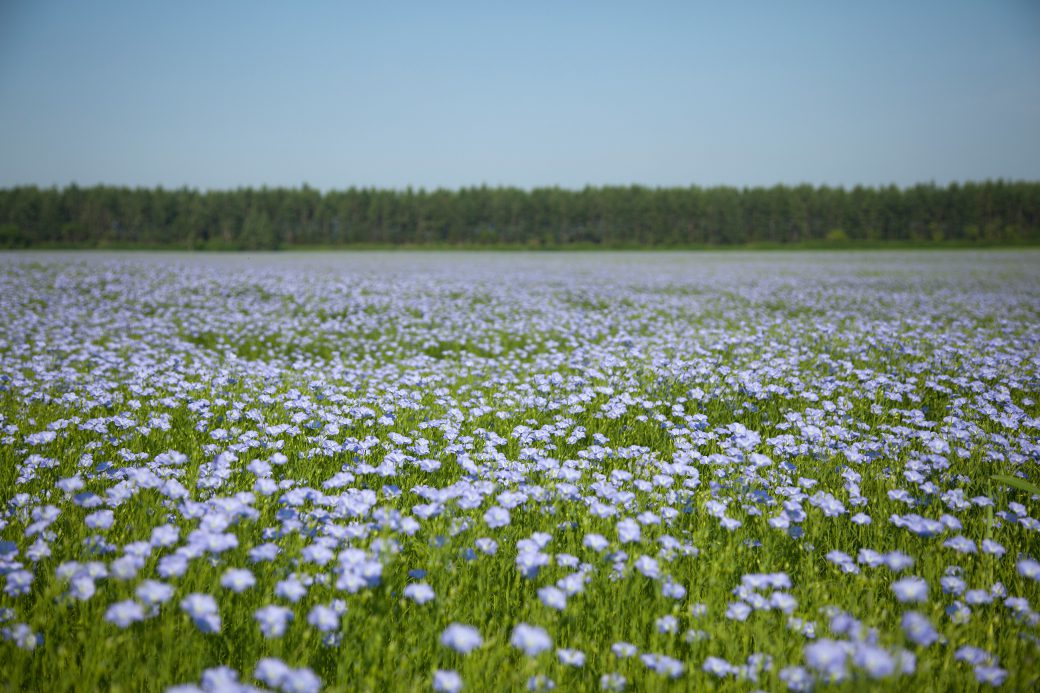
(990, 212)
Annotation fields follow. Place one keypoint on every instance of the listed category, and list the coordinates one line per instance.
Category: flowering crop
(501, 472)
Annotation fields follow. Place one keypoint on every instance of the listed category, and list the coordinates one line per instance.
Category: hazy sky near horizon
(337, 94)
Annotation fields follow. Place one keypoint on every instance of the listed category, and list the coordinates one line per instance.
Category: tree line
(990, 212)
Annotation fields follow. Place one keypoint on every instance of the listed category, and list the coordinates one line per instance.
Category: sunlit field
(504, 472)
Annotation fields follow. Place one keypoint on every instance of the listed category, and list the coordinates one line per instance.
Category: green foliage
(990, 212)
(258, 233)
(12, 237)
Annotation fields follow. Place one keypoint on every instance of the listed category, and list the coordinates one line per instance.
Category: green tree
(258, 232)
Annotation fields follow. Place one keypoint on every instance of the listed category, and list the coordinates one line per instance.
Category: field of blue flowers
(437, 471)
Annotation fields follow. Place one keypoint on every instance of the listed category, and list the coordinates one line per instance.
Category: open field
(415, 471)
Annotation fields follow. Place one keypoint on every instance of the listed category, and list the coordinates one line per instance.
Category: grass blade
(1015, 482)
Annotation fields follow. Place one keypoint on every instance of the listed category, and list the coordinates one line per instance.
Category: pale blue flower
(717, 666)
(919, 630)
(730, 523)
(532, 640)
(165, 536)
(174, 565)
(487, 546)
(18, 582)
(237, 580)
(553, 597)
(222, 678)
(324, 618)
(959, 612)
(418, 592)
(977, 597)
(897, 561)
(153, 592)
(202, 609)
(263, 552)
(596, 542)
(648, 567)
(1028, 568)
(271, 671)
(973, 655)
(290, 588)
(447, 681)
(668, 624)
(82, 588)
(738, 611)
(198, 604)
(124, 613)
(461, 638)
(910, 589)
(672, 590)
(273, 620)
(22, 635)
(663, 664)
(951, 584)
(624, 650)
(300, 680)
(628, 531)
(783, 602)
(540, 682)
(101, 519)
(695, 635)
(573, 584)
(828, 658)
(572, 658)
(531, 561)
(496, 517)
(797, 679)
(961, 544)
(125, 567)
(990, 675)
(876, 661)
(993, 548)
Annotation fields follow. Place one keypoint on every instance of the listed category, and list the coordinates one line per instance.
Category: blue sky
(338, 94)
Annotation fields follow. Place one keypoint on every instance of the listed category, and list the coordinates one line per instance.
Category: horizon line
(413, 189)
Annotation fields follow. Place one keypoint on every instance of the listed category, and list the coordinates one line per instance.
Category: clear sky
(443, 94)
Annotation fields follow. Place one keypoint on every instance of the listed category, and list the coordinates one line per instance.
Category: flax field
(441, 471)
